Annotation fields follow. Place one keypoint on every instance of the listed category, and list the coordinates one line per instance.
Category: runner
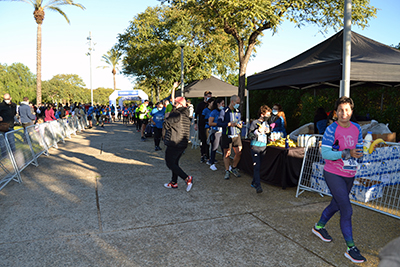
(339, 171)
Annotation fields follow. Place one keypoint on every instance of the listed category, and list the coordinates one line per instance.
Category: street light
(90, 55)
(182, 44)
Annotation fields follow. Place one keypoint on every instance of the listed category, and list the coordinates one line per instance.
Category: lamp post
(90, 56)
(182, 44)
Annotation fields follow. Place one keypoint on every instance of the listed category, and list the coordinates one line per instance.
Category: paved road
(99, 200)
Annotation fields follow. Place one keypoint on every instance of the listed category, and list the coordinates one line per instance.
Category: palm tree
(39, 17)
(112, 58)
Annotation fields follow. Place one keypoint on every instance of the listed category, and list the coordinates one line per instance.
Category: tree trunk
(39, 64)
(115, 83)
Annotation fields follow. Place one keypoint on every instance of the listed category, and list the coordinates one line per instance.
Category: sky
(64, 46)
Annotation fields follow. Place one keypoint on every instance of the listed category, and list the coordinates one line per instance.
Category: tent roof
(321, 66)
(216, 86)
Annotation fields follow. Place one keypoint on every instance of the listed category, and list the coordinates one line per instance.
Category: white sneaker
(230, 168)
(212, 167)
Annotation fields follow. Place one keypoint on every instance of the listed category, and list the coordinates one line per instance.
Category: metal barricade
(57, 131)
(377, 181)
(82, 122)
(39, 146)
(48, 135)
(77, 124)
(21, 149)
(194, 140)
(63, 128)
(8, 169)
(71, 126)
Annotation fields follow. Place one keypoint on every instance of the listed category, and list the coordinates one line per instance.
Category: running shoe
(235, 172)
(322, 233)
(253, 185)
(209, 163)
(202, 160)
(171, 185)
(143, 139)
(213, 168)
(354, 255)
(259, 189)
(227, 174)
(159, 148)
(189, 183)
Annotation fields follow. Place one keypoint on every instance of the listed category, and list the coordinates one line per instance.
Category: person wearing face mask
(8, 110)
(200, 127)
(230, 121)
(176, 134)
(259, 130)
(215, 131)
(157, 119)
(277, 121)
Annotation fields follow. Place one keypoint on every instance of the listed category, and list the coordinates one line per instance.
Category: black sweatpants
(172, 156)
(157, 135)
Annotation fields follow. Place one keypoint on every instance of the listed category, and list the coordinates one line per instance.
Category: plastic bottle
(367, 142)
(336, 146)
(287, 142)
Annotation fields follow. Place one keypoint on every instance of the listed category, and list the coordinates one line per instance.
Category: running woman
(339, 172)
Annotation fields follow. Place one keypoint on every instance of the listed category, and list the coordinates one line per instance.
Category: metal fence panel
(38, 144)
(20, 148)
(71, 126)
(377, 181)
(47, 133)
(57, 131)
(8, 170)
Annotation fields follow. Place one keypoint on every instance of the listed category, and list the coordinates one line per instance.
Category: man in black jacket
(176, 132)
(8, 110)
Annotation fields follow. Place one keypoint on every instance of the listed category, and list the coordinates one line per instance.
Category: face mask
(274, 111)
(7, 101)
(207, 98)
(160, 109)
(236, 106)
(221, 107)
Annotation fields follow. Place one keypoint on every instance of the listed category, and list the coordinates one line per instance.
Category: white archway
(126, 95)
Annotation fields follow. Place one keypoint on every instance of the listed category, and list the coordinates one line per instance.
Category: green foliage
(245, 20)
(18, 81)
(153, 55)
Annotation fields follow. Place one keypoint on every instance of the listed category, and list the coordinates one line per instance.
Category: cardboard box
(365, 190)
(390, 137)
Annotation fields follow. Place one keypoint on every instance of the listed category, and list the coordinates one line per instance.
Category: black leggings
(157, 135)
(172, 156)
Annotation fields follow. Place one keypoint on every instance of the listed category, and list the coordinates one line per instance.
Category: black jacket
(176, 128)
(8, 112)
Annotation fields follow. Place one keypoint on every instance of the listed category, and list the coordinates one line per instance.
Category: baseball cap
(181, 100)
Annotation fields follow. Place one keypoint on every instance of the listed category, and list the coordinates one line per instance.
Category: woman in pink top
(49, 113)
(339, 150)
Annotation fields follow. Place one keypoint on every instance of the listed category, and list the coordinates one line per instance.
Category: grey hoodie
(25, 113)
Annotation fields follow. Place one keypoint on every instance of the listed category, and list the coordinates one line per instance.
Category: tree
(38, 14)
(153, 56)
(112, 58)
(65, 88)
(18, 81)
(245, 20)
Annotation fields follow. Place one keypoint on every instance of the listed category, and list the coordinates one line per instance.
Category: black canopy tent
(321, 66)
(216, 86)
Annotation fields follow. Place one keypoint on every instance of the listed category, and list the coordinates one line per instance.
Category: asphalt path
(99, 200)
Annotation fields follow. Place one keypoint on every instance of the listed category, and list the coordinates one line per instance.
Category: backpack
(148, 131)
